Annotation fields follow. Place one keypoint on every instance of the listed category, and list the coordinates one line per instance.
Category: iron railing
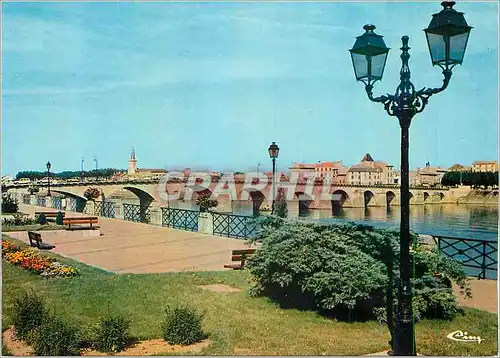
(180, 218)
(27, 198)
(137, 213)
(104, 208)
(40, 201)
(479, 257)
(237, 226)
(76, 204)
(57, 203)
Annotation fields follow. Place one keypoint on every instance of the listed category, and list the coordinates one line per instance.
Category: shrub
(42, 219)
(59, 218)
(183, 326)
(55, 337)
(205, 202)
(28, 313)
(349, 268)
(9, 204)
(19, 219)
(112, 334)
(33, 189)
(92, 193)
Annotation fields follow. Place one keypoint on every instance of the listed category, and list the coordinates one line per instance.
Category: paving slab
(129, 247)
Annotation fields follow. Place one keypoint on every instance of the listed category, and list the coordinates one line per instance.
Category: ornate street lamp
(48, 177)
(273, 154)
(447, 36)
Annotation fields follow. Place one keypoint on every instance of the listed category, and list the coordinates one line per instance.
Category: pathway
(129, 247)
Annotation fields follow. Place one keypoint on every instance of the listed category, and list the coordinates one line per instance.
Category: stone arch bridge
(299, 197)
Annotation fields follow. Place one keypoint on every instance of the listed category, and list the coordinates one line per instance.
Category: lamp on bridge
(273, 154)
(447, 36)
(48, 177)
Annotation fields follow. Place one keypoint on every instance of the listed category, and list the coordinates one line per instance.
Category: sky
(211, 85)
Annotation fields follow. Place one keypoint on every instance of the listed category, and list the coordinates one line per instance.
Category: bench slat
(233, 266)
(81, 221)
(243, 252)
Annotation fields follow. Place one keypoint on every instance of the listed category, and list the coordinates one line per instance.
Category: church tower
(132, 163)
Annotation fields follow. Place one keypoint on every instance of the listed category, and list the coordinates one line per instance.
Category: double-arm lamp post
(447, 36)
(48, 177)
(273, 154)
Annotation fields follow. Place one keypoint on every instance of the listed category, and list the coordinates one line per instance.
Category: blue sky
(210, 85)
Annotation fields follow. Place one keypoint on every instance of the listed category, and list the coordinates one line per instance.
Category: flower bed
(31, 260)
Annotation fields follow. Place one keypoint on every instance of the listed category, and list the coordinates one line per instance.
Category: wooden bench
(49, 214)
(241, 256)
(36, 241)
(91, 220)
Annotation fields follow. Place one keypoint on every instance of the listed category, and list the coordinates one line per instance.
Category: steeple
(132, 163)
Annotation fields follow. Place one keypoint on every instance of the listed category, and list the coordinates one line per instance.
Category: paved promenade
(129, 247)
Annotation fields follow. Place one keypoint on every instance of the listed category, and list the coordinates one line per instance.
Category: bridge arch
(368, 197)
(411, 198)
(74, 202)
(339, 198)
(426, 196)
(389, 197)
(257, 200)
(305, 202)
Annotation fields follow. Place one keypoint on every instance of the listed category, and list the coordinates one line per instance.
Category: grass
(32, 227)
(237, 323)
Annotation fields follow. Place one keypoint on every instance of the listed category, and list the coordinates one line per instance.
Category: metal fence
(237, 226)
(137, 213)
(479, 257)
(40, 201)
(27, 198)
(75, 204)
(180, 218)
(105, 209)
(57, 203)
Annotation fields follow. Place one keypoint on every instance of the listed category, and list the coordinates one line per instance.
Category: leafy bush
(9, 204)
(20, 219)
(205, 202)
(112, 334)
(33, 188)
(92, 193)
(42, 219)
(183, 326)
(59, 218)
(28, 313)
(349, 270)
(56, 337)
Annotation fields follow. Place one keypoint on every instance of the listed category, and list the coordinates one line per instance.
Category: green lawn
(238, 324)
(33, 227)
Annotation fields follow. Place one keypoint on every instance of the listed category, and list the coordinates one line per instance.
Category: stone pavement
(129, 247)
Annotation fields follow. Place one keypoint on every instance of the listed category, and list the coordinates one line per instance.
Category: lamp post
(273, 154)
(447, 36)
(48, 177)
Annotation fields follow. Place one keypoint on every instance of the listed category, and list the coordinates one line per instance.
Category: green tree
(280, 205)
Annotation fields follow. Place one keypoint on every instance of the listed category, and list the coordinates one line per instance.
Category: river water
(467, 221)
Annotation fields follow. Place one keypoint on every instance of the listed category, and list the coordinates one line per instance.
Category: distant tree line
(67, 174)
(470, 178)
